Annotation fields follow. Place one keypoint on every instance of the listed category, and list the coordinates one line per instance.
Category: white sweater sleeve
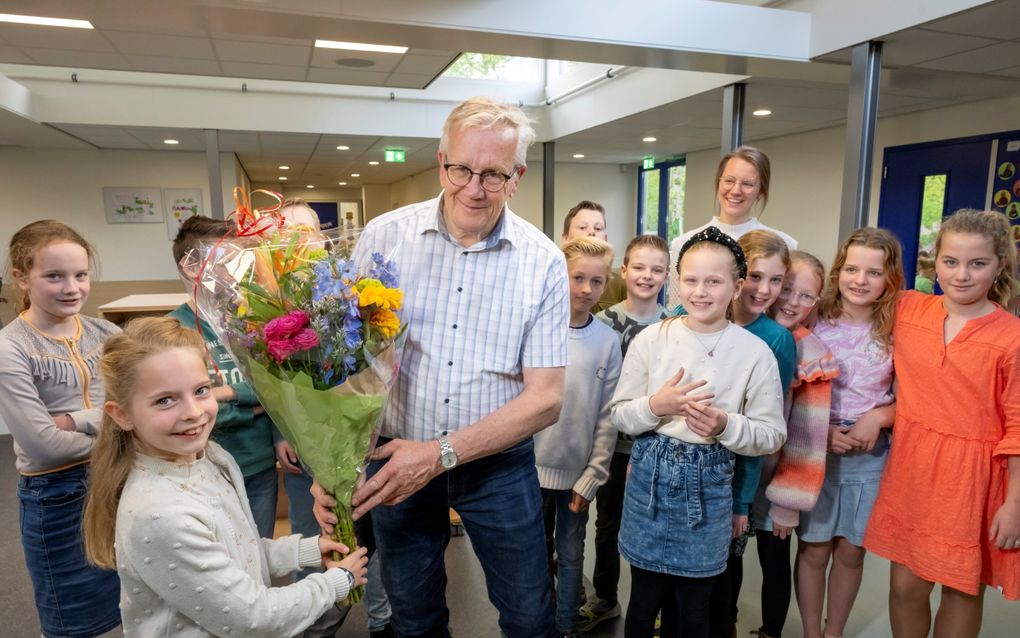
(288, 554)
(177, 555)
(629, 407)
(760, 428)
(604, 441)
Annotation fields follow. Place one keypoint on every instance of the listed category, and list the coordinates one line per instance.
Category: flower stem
(343, 532)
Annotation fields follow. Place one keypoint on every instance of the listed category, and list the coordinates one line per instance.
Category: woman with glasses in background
(741, 181)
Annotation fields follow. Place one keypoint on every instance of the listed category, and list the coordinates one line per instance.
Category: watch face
(448, 459)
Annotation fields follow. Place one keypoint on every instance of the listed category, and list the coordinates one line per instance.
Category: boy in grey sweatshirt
(572, 455)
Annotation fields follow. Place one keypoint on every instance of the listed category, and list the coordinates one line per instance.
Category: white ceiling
(971, 55)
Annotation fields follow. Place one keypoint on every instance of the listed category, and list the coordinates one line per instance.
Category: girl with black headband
(694, 389)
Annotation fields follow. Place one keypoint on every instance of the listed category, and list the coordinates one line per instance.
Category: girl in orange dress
(948, 509)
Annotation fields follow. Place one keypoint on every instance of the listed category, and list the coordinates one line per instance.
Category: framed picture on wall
(180, 204)
(133, 205)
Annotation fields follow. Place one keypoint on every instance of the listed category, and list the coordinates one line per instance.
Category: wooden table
(134, 306)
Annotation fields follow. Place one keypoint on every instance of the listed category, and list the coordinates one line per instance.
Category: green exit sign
(648, 162)
(395, 155)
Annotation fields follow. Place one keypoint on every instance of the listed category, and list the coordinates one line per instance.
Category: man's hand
(224, 393)
(287, 457)
(322, 508)
(411, 465)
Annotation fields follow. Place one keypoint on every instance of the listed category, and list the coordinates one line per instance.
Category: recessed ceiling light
(342, 183)
(343, 148)
(310, 186)
(284, 168)
(170, 141)
(355, 174)
(648, 139)
(282, 178)
(373, 163)
(359, 46)
(578, 155)
(45, 22)
(761, 112)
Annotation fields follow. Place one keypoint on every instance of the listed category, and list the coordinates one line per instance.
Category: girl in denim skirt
(52, 400)
(694, 389)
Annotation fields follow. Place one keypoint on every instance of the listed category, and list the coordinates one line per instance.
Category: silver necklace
(709, 351)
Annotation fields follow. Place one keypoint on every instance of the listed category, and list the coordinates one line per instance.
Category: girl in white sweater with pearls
(167, 508)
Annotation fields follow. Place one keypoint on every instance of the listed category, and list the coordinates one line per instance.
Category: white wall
(807, 169)
(68, 186)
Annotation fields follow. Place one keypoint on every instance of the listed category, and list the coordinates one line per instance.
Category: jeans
(302, 521)
(499, 501)
(608, 511)
(567, 533)
(261, 490)
(73, 598)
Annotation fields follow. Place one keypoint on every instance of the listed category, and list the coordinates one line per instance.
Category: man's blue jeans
(499, 501)
(261, 489)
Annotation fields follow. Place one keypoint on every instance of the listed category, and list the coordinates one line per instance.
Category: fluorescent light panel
(358, 46)
(45, 22)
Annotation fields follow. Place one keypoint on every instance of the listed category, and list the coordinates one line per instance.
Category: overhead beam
(549, 189)
(862, 115)
(733, 117)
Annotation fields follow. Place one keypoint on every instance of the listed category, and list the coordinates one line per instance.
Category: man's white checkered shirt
(477, 316)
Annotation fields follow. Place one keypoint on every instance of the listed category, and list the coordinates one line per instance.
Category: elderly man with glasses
(483, 370)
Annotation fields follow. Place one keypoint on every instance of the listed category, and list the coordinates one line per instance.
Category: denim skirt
(677, 507)
(74, 599)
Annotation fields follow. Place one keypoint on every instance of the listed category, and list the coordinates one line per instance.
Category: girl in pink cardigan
(793, 477)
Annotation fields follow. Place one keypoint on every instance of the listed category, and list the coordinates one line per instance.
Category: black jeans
(649, 593)
(608, 513)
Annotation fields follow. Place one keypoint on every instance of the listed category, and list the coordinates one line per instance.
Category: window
(661, 199)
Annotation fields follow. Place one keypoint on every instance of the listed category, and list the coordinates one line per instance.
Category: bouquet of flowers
(318, 338)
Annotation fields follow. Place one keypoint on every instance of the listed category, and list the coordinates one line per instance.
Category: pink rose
(305, 340)
(280, 349)
(285, 326)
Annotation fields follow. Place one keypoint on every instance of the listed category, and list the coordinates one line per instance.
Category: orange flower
(386, 321)
(379, 295)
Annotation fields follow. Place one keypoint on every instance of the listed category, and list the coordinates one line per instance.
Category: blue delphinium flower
(384, 270)
(326, 283)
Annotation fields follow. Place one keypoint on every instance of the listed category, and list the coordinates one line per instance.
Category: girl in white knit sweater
(693, 389)
(167, 508)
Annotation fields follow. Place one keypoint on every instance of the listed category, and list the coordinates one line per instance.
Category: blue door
(950, 173)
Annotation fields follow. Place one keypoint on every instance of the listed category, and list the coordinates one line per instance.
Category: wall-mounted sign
(648, 162)
(395, 155)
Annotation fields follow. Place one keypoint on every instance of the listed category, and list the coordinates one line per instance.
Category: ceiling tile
(263, 71)
(994, 20)
(263, 52)
(173, 65)
(408, 81)
(986, 60)
(78, 59)
(918, 45)
(103, 136)
(11, 55)
(379, 62)
(339, 76)
(288, 143)
(55, 38)
(154, 44)
(422, 64)
(1013, 71)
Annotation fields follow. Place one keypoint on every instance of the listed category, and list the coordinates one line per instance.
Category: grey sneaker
(595, 611)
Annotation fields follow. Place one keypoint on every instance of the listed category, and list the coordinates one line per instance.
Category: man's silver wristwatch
(447, 457)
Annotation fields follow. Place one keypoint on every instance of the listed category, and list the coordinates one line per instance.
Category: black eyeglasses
(492, 181)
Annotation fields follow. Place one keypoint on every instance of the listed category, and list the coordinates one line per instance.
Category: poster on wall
(133, 205)
(180, 204)
(1006, 183)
